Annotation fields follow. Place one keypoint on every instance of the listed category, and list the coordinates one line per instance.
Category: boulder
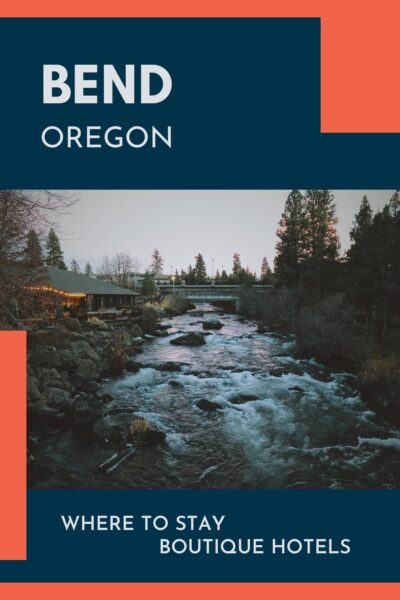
(189, 339)
(136, 331)
(45, 356)
(84, 350)
(212, 324)
(56, 397)
(85, 372)
(43, 414)
(208, 405)
(175, 384)
(161, 333)
(133, 366)
(33, 391)
(86, 409)
(113, 428)
(69, 360)
(242, 398)
(143, 432)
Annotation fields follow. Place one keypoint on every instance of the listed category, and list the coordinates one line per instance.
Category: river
(308, 427)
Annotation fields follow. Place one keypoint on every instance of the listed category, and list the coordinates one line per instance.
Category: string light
(45, 288)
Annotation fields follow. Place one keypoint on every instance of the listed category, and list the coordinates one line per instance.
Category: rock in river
(208, 405)
(169, 367)
(242, 398)
(189, 339)
(212, 324)
(123, 427)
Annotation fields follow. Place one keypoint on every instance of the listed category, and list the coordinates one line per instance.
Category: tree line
(368, 274)
(343, 307)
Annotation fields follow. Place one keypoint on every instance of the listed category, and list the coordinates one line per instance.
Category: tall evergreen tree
(321, 239)
(237, 265)
(200, 271)
(362, 220)
(33, 254)
(54, 254)
(75, 266)
(190, 279)
(265, 270)
(224, 276)
(148, 285)
(88, 269)
(291, 245)
(373, 269)
(157, 262)
(320, 269)
(394, 204)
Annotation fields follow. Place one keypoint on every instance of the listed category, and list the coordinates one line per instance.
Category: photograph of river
(207, 339)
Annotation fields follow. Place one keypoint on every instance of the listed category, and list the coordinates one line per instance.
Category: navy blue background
(368, 518)
(245, 112)
(245, 108)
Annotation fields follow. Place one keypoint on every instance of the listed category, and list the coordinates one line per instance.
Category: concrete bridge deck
(211, 293)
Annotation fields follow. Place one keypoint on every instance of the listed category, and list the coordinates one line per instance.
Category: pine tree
(200, 271)
(362, 221)
(291, 233)
(75, 266)
(265, 270)
(320, 268)
(321, 239)
(54, 254)
(88, 269)
(394, 204)
(224, 276)
(157, 262)
(190, 280)
(148, 285)
(33, 254)
(237, 265)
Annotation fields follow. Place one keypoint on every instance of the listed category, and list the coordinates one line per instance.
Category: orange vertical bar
(13, 445)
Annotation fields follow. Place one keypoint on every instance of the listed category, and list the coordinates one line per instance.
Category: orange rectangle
(13, 445)
(199, 591)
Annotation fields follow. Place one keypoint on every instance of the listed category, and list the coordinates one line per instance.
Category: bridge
(211, 292)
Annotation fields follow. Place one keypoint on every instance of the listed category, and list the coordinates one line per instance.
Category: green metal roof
(74, 283)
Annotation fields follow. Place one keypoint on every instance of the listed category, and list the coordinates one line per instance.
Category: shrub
(329, 331)
(149, 319)
(175, 304)
(97, 323)
(381, 369)
(139, 427)
(277, 309)
(118, 355)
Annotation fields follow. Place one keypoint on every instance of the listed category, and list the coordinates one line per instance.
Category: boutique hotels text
(146, 84)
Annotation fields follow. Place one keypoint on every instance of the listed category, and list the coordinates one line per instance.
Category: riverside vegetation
(344, 310)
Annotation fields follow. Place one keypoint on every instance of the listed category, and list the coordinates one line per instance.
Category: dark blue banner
(243, 111)
(317, 535)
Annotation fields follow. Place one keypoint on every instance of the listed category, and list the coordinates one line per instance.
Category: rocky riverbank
(66, 365)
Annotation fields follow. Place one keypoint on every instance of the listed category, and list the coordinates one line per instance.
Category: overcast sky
(182, 223)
